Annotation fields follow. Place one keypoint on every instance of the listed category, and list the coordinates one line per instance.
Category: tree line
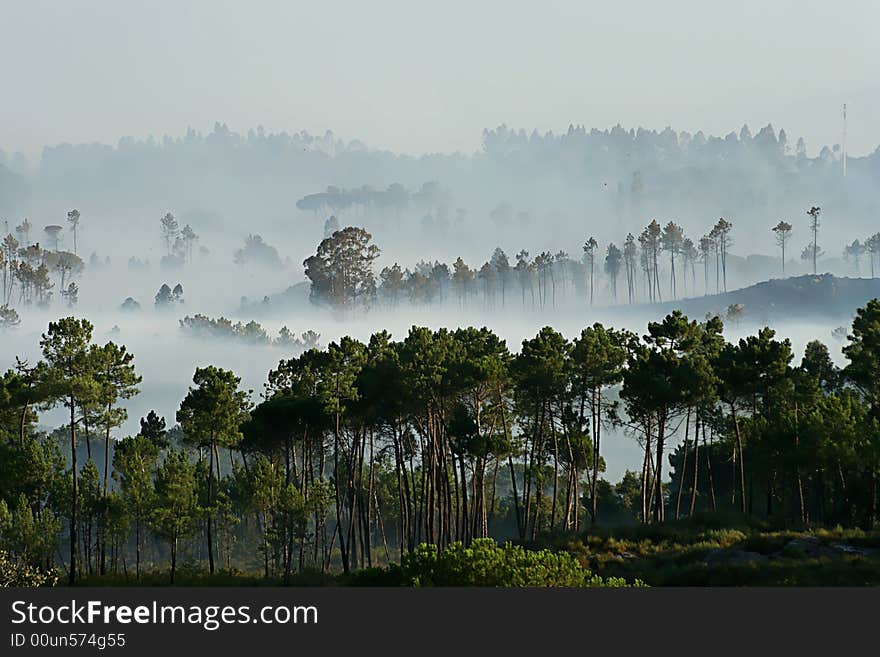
(661, 263)
(359, 453)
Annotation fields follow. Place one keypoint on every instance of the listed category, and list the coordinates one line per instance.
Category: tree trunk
(173, 559)
(210, 536)
(597, 430)
(137, 548)
(103, 526)
(742, 467)
(658, 473)
(696, 482)
(684, 460)
(74, 504)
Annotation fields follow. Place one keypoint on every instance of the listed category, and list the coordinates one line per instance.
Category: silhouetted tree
(814, 213)
(783, 233)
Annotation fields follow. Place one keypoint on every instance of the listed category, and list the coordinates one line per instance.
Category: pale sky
(416, 76)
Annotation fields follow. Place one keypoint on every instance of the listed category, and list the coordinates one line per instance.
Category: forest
(609, 399)
(395, 460)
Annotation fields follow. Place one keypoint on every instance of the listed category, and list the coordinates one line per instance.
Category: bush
(484, 563)
(15, 573)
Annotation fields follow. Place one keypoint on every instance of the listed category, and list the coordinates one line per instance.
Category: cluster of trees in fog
(662, 262)
(360, 452)
(30, 271)
(252, 333)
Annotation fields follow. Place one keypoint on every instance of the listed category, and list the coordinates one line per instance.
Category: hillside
(824, 296)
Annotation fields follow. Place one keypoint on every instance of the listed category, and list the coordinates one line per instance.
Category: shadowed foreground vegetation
(360, 455)
(483, 563)
(705, 552)
(680, 553)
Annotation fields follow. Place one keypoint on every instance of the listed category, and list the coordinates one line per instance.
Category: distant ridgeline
(824, 296)
(617, 174)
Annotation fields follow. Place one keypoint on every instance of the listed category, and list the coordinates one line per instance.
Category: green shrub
(16, 573)
(484, 563)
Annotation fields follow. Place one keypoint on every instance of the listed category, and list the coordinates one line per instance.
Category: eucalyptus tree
(782, 230)
(690, 255)
(853, 252)
(721, 235)
(872, 247)
(9, 262)
(706, 247)
(590, 247)
(813, 213)
(543, 266)
(211, 415)
(650, 242)
(630, 253)
(189, 237)
(462, 280)
(501, 265)
(391, 284)
(170, 230)
(73, 218)
(341, 271)
(486, 276)
(524, 274)
(613, 259)
(672, 240)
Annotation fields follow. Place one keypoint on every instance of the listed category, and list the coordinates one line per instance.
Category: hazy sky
(418, 76)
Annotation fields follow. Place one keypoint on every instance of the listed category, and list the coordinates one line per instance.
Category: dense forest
(362, 454)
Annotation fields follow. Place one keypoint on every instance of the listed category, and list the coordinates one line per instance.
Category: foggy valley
(575, 296)
(542, 194)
